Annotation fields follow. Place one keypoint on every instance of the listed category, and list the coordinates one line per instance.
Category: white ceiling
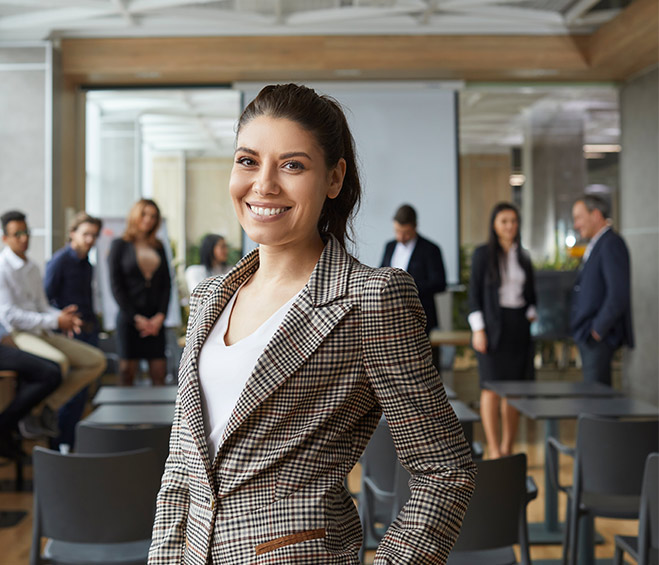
(492, 118)
(43, 19)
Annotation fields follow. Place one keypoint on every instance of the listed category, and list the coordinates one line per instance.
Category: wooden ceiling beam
(618, 50)
(627, 44)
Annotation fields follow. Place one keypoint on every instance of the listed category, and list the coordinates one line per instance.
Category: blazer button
(213, 504)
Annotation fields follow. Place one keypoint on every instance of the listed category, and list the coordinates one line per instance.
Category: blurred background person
(36, 379)
(68, 280)
(502, 306)
(25, 311)
(214, 256)
(420, 257)
(140, 282)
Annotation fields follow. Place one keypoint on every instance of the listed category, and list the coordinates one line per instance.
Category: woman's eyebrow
(295, 154)
(246, 150)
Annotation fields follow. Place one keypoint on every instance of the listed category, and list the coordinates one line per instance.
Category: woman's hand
(479, 341)
(156, 322)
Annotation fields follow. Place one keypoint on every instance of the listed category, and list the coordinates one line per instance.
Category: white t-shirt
(225, 369)
(403, 253)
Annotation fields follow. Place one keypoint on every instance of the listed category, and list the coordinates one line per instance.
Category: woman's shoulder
(368, 279)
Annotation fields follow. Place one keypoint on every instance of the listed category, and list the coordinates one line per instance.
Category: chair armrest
(553, 448)
(531, 489)
(378, 492)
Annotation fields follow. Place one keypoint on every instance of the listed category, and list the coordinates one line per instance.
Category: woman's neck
(506, 245)
(288, 266)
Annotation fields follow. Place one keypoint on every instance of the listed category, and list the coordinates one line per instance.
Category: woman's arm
(428, 437)
(118, 278)
(476, 302)
(165, 288)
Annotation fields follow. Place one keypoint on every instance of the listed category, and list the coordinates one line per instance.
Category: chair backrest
(95, 498)
(648, 523)
(611, 454)
(497, 506)
(93, 438)
(380, 465)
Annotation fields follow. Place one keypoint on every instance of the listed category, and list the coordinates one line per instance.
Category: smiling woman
(290, 360)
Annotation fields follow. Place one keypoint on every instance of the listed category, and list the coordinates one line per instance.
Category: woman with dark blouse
(502, 306)
(139, 276)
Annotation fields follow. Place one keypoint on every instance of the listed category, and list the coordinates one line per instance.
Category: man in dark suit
(601, 319)
(420, 258)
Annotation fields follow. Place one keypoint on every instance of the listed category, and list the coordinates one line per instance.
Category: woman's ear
(336, 176)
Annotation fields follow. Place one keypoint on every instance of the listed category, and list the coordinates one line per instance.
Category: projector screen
(406, 140)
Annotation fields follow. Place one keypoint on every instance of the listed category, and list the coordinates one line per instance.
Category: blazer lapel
(313, 315)
(205, 317)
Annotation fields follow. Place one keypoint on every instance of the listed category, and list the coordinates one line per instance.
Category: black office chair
(95, 438)
(644, 548)
(609, 459)
(385, 485)
(95, 509)
(496, 517)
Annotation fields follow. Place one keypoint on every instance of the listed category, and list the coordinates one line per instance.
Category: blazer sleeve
(119, 279)
(52, 281)
(614, 266)
(435, 279)
(172, 503)
(427, 435)
(166, 283)
(477, 281)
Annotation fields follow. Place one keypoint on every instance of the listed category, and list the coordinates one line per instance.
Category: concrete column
(555, 173)
(639, 225)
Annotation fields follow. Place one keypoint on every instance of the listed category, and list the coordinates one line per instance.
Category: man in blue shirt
(68, 280)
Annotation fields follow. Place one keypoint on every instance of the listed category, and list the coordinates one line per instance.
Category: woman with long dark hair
(214, 257)
(291, 359)
(140, 281)
(502, 306)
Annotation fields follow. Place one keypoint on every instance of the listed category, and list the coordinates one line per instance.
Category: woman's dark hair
(323, 117)
(494, 247)
(207, 250)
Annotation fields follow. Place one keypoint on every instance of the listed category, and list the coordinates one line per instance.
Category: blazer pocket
(290, 539)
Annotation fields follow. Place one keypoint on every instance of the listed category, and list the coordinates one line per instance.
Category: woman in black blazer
(140, 281)
(501, 306)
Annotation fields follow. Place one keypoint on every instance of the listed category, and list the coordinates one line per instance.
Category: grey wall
(25, 148)
(639, 225)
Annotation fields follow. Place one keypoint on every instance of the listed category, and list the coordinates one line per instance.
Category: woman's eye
(293, 166)
(246, 161)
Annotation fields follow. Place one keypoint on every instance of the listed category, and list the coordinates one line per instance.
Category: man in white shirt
(24, 309)
(418, 256)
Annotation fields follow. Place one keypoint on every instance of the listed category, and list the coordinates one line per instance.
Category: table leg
(550, 531)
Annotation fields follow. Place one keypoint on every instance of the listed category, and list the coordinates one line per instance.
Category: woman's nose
(266, 182)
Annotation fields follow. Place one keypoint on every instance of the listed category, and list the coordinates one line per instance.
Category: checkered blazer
(351, 346)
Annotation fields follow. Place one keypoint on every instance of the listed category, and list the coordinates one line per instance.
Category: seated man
(37, 378)
(24, 309)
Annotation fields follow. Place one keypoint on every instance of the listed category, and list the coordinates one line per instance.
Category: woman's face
(506, 225)
(148, 219)
(279, 182)
(221, 251)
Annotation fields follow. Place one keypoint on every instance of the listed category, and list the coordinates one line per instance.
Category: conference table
(554, 409)
(132, 414)
(135, 395)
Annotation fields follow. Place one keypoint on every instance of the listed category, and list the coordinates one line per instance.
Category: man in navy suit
(601, 319)
(421, 258)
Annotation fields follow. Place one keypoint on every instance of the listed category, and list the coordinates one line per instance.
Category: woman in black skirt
(502, 307)
(139, 276)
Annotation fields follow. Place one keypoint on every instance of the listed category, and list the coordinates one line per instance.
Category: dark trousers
(37, 378)
(70, 414)
(596, 359)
